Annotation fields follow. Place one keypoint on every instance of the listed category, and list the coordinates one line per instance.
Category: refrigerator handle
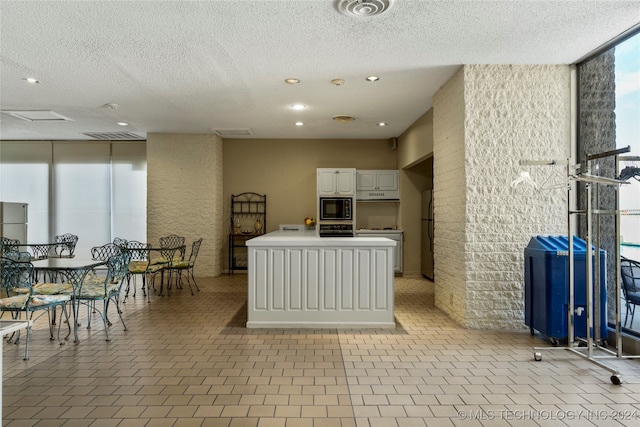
(431, 224)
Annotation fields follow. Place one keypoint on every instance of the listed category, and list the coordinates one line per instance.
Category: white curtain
(82, 193)
(129, 183)
(25, 169)
(95, 190)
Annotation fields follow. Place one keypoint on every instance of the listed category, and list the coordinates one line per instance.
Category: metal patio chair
(17, 279)
(187, 266)
(630, 274)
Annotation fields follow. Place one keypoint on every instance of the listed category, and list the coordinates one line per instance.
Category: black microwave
(336, 208)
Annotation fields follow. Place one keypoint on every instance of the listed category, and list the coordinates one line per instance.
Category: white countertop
(8, 326)
(377, 231)
(310, 238)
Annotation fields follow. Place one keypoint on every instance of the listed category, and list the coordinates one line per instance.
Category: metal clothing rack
(585, 346)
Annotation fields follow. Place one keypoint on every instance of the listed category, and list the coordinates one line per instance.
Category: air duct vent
(233, 132)
(363, 8)
(38, 116)
(113, 136)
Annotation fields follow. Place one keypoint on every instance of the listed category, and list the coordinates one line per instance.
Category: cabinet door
(327, 182)
(397, 251)
(387, 180)
(336, 182)
(397, 259)
(365, 180)
(345, 181)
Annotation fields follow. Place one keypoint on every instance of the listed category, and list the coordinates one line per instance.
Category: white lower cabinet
(397, 237)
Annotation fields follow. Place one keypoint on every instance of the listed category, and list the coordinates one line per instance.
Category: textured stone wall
(184, 194)
(597, 134)
(486, 119)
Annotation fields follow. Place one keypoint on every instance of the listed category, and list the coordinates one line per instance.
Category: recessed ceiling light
(298, 107)
(31, 80)
(123, 124)
(292, 81)
(299, 124)
(343, 119)
(337, 82)
(382, 124)
(373, 78)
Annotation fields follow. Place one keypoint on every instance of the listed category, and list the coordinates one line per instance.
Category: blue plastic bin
(546, 273)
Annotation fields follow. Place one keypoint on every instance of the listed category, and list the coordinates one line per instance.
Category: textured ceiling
(199, 66)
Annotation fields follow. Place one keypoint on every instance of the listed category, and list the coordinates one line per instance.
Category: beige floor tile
(189, 361)
(272, 422)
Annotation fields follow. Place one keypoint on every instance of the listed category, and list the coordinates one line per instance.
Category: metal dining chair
(187, 266)
(106, 251)
(630, 275)
(8, 245)
(173, 251)
(140, 265)
(18, 256)
(119, 241)
(106, 289)
(66, 245)
(17, 279)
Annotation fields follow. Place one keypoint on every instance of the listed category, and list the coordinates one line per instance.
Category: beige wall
(285, 170)
(415, 148)
(184, 193)
(416, 143)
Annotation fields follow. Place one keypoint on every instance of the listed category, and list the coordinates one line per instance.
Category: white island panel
(330, 280)
(295, 280)
(300, 280)
(279, 261)
(347, 277)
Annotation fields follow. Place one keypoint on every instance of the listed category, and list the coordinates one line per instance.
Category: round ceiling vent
(363, 8)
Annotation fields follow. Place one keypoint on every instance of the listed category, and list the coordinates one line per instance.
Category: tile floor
(188, 361)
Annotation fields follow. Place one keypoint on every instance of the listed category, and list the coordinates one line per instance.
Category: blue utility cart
(546, 270)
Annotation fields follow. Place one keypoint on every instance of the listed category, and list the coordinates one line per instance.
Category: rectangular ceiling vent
(38, 116)
(233, 132)
(112, 136)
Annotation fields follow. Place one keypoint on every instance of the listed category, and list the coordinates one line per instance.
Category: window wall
(609, 119)
(95, 190)
(627, 111)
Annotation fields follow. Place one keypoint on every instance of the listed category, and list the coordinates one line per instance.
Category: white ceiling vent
(233, 132)
(363, 8)
(113, 136)
(38, 116)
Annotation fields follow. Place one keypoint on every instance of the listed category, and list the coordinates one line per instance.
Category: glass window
(609, 119)
(627, 57)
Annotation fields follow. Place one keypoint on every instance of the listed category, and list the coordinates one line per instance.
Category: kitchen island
(300, 280)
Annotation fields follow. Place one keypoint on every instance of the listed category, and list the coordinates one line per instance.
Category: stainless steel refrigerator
(426, 246)
(13, 221)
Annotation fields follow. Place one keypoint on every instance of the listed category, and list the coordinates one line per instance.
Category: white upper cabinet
(377, 185)
(383, 180)
(336, 182)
